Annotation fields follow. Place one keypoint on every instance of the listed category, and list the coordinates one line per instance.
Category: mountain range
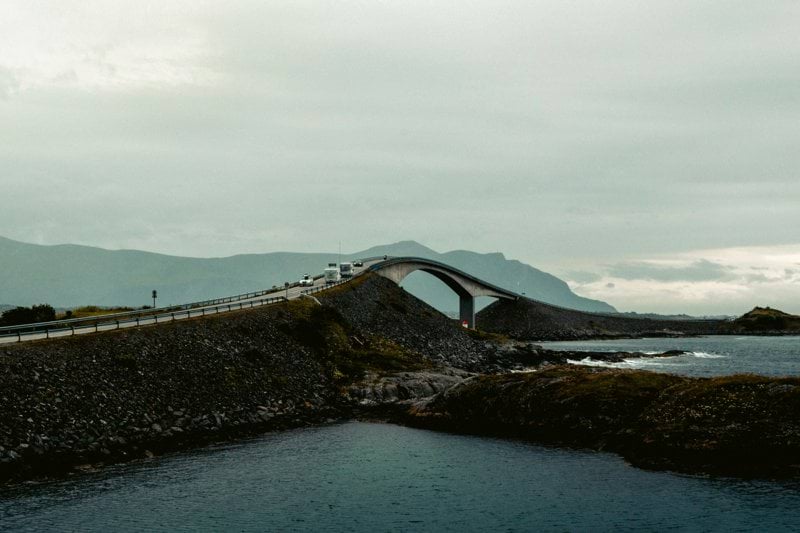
(69, 275)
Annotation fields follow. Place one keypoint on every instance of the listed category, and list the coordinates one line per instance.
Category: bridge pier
(466, 286)
(466, 304)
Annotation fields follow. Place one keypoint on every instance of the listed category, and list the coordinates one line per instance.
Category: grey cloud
(8, 83)
(701, 270)
(552, 131)
(756, 278)
(582, 276)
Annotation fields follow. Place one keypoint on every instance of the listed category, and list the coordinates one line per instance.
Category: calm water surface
(380, 477)
(711, 356)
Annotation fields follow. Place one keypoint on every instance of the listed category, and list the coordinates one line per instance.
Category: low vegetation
(347, 356)
(93, 310)
(27, 315)
(765, 319)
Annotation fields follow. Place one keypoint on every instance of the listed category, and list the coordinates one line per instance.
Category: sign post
(155, 295)
(286, 284)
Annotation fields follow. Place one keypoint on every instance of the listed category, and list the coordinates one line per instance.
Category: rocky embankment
(366, 348)
(131, 393)
(405, 387)
(376, 305)
(530, 320)
(738, 425)
(125, 394)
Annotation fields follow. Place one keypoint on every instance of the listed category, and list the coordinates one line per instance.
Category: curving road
(466, 286)
(67, 328)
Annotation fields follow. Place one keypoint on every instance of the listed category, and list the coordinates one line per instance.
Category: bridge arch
(466, 286)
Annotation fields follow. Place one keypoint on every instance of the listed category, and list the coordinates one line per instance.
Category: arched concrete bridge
(465, 285)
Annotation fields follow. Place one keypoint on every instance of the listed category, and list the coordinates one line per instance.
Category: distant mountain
(682, 316)
(494, 268)
(71, 275)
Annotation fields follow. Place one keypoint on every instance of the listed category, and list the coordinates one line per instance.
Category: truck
(346, 270)
(331, 275)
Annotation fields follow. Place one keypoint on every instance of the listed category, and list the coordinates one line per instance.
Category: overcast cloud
(733, 281)
(584, 137)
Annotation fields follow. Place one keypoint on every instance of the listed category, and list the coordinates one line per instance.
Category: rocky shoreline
(738, 425)
(531, 320)
(365, 349)
(126, 394)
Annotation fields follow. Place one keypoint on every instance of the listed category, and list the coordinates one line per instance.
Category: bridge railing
(170, 315)
(77, 322)
(73, 326)
(321, 288)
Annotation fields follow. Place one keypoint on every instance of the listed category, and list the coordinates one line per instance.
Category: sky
(645, 152)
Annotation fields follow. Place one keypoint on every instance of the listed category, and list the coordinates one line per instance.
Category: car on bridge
(358, 264)
(332, 275)
(346, 270)
(307, 281)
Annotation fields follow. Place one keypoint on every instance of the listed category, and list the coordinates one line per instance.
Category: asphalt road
(183, 314)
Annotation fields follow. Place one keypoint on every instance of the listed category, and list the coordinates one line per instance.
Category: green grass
(345, 356)
(94, 310)
(767, 319)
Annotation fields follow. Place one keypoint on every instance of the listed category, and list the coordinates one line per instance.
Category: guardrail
(88, 321)
(118, 323)
(73, 326)
(325, 286)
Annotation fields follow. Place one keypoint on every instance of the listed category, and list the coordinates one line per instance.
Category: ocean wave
(706, 355)
(588, 361)
(645, 362)
(636, 363)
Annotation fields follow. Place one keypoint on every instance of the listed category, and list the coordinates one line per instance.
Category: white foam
(626, 363)
(588, 361)
(706, 355)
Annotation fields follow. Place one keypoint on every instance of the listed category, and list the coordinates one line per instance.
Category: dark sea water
(379, 477)
(711, 356)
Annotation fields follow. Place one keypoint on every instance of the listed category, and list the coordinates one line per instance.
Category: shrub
(28, 315)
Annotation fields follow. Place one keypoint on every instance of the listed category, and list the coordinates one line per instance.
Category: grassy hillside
(72, 275)
(765, 319)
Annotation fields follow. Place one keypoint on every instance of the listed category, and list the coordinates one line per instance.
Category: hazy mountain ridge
(492, 267)
(71, 275)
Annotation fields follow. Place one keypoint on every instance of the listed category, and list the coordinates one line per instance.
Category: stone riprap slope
(374, 305)
(125, 393)
(128, 393)
(738, 425)
(529, 320)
